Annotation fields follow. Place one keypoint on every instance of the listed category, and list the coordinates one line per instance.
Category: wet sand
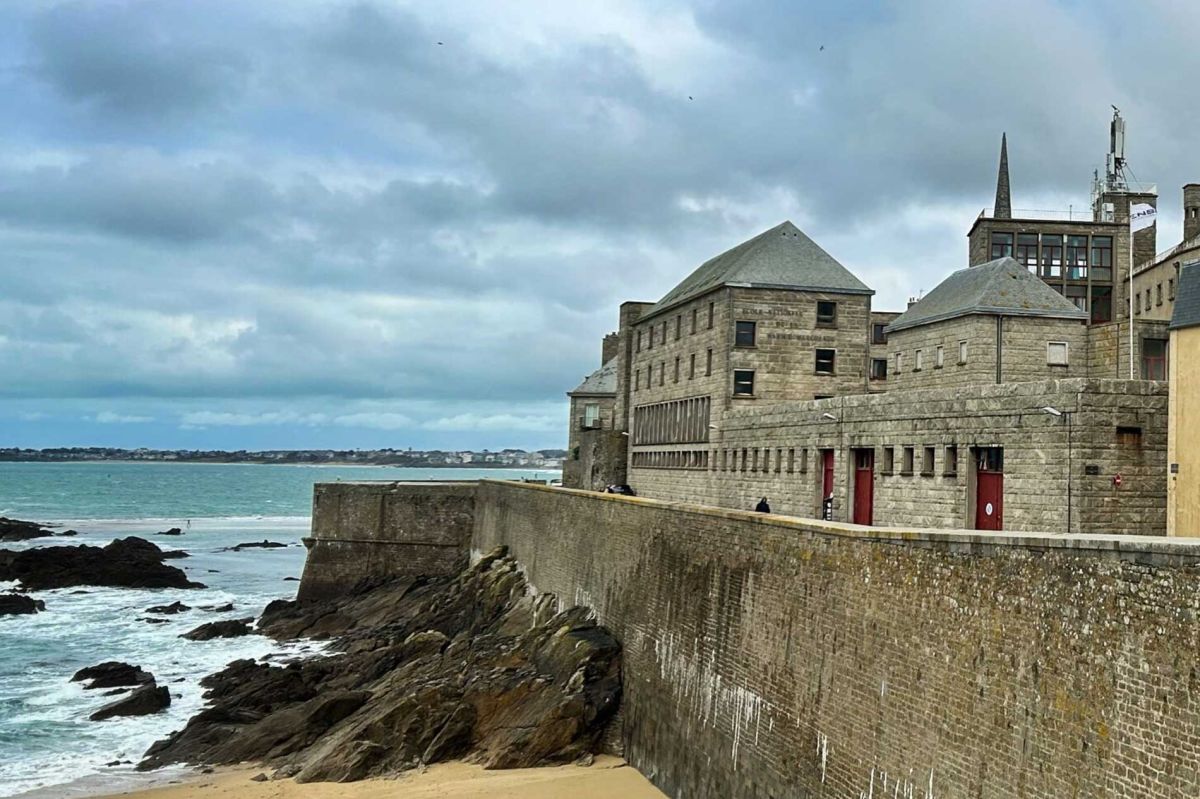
(607, 777)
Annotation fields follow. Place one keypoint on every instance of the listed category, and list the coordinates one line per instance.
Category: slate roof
(601, 381)
(1001, 288)
(1187, 298)
(782, 257)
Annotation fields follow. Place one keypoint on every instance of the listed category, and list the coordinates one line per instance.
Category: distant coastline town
(485, 459)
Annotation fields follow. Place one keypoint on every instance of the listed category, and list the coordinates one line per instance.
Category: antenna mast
(1114, 171)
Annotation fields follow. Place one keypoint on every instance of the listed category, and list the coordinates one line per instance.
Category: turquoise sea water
(47, 745)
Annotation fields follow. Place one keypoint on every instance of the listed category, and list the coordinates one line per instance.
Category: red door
(864, 486)
(989, 489)
(827, 485)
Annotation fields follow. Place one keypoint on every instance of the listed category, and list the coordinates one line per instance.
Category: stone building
(989, 324)
(595, 445)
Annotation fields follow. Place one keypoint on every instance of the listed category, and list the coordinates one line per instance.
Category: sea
(48, 747)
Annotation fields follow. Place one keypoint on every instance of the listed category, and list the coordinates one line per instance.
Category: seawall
(362, 530)
(768, 656)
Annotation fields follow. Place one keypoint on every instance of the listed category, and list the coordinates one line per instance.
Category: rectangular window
(1154, 359)
(664, 332)
(918, 361)
(939, 357)
(1102, 304)
(678, 325)
(754, 460)
(1077, 257)
(1056, 353)
(1077, 295)
(639, 341)
(877, 334)
(650, 338)
(1147, 299)
(791, 461)
(1027, 251)
(743, 382)
(708, 363)
(927, 462)
(899, 363)
(1171, 289)
(637, 379)
(649, 375)
(1137, 304)
(906, 466)
(676, 368)
(692, 366)
(879, 368)
(662, 373)
(950, 468)
(1052, 255)
(1002, 245)
(889, 460)
(695, 315)
(1129, 437)
(826, 313)
(711, 308)
(1158, 294)
(745, 334)
(803, 461)
(1102, 258)
(825, 361)
(962, 352)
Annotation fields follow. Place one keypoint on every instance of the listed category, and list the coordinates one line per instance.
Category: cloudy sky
(311, 224)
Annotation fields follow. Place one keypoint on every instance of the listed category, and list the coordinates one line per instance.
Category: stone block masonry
(366, 530)
(770, 657)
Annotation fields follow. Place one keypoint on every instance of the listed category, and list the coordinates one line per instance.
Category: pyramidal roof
(781, 258)
(1000, 288)
(601, 381)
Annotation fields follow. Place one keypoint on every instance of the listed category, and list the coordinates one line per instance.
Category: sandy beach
(607, 777)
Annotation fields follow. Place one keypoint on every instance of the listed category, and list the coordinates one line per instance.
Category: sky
(382, 224)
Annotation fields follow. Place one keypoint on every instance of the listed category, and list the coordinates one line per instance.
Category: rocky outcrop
(169, 610)
(172, 531)
(428, 670)
(264, 544)
(112, 674)
(229, 628)
(14, 604)
(16, 530)
(127, 562)
(141, 702)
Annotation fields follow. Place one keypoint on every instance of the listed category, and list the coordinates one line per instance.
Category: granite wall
(770, 657)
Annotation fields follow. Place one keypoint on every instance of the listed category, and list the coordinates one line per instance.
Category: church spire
(1003, 207)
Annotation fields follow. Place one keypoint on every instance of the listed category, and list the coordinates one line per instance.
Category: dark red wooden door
(989, 490)
(864, 486)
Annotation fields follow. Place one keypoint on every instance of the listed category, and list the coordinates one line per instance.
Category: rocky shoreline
(426, 671)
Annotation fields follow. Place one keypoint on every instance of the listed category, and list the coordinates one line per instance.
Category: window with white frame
(1056, 353)
(939, 357)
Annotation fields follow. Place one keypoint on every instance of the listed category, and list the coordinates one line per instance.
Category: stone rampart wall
(385, 529)
(769, 657)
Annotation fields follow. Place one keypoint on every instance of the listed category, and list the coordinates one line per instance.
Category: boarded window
(918, 361)
(1130, 437)
(1056, 353)
(939, 357)
(951, 465)
(889, 460)
(962, 352)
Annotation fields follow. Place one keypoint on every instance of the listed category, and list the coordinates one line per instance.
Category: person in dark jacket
(762, 506)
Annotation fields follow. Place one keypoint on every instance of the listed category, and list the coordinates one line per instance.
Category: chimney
(610, 347)
(1191, 211)
(1003, 206)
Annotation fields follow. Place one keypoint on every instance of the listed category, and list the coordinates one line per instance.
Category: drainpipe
(999, 349)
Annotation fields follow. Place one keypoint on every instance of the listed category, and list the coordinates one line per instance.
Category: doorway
(864, 486)
(989, 488)
(827, 485)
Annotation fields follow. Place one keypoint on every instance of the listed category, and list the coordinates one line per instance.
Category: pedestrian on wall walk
(762, 506)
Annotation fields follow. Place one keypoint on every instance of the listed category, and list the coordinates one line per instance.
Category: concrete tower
(1003, 206)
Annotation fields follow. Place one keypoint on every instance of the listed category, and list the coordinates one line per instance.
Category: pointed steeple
(1003, 206)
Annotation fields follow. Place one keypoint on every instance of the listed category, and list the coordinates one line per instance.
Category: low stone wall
(385, 529)
(776, 657)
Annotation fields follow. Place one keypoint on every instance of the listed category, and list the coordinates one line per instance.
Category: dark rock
(172, 531)
(264, 544)
(228, 606)
(111, 674)
(12, 604)
(229, 628)
(156, 621)
(259, 778)
(174, 554)
(15, 530)
(169, 610)
(429, 670)
(69, 533)
(142, 702)
(127, 562)
(291, 579)
(116, 692)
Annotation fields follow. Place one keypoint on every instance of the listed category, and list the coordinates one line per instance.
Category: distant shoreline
(250, 462)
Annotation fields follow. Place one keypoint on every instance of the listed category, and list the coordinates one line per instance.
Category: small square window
(745, 334)
(826, 313)
(743, 382)
(877, 334)
(825, 361)
(1056, 353)
(879, 368)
